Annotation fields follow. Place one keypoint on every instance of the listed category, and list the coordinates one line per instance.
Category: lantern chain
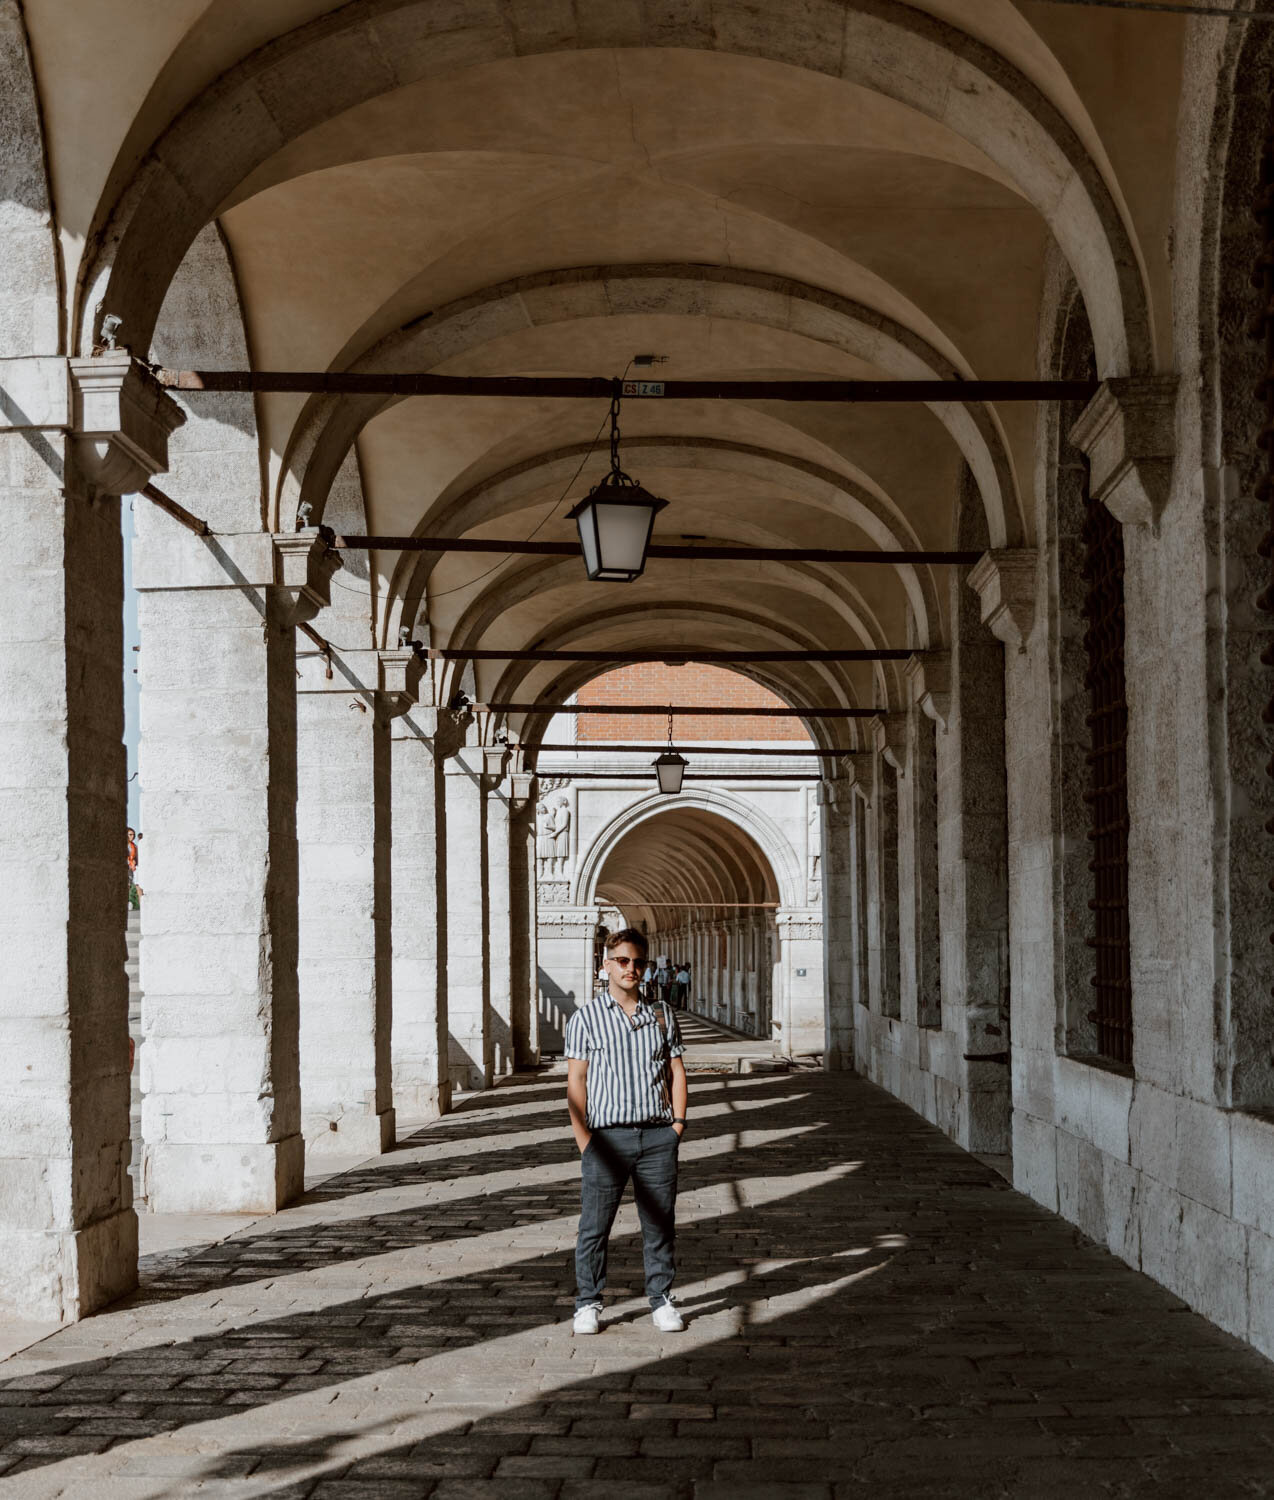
(617, 475)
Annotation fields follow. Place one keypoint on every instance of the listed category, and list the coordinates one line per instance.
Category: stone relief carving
(543, 834)
(554, 892)
(553, 836)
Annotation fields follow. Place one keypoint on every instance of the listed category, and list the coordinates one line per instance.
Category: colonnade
(732, 962)
(325, 851)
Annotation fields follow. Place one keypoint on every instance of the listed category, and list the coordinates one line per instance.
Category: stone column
(468, 935)
(524, 1013)
(888, 763)
(920, 941)
(345, 705)
(221, 1113)
(421, 1079)
(564, 940)
(73, 437)
(497, 822)
(836, 861)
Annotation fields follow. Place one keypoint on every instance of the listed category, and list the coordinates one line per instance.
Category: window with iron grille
(1107, 789)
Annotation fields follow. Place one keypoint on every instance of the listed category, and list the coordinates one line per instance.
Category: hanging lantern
(615, 519)
(670, 768)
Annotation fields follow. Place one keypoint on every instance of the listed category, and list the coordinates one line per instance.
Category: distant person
(648, 982)
(681, 986)
(135, 891)
(626, 1095)
(663, 978)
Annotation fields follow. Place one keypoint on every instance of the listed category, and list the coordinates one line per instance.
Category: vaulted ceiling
(842, 188)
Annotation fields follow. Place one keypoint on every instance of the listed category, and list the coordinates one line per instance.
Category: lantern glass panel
(614, 524)
(670, 769)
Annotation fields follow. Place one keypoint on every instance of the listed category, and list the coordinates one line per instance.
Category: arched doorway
(706, 896)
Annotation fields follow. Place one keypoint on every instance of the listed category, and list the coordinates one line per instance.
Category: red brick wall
(653, 682)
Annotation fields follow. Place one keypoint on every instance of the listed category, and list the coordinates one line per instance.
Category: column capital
(304, 562)
(861, 772)
(495, 761)
(522, 790)
(836, 795)
(399, 672)
(1005, 582)
(1128, 431)
(928, 674)
(889, 738)
(121, 419)
(488, 762)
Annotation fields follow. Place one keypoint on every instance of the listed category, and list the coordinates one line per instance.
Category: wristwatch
(678, 1122)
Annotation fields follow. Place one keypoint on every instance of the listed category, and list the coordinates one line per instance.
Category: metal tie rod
(722, 712)
(733, 777)
(656, 549)
(690, 748)
(354, 383)
(673, 656)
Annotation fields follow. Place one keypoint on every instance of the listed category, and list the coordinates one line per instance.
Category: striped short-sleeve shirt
(628, 1076)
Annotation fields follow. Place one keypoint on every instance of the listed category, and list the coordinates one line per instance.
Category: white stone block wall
(221, 1108)
(500, 943)
(468, 932)
(67, 1228)
(345, 978)
(421, 1080)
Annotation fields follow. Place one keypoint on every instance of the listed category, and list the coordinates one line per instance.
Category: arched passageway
(724, 876)
(1020, 877)
(705, 895)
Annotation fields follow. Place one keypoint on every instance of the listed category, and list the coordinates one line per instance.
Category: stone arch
(214, 464)
(1232, 415)
(515, 682)
(372, 47)
(1065, 497)
(31, 308)
(763, 831)
(530, 581)
(821, 732)
(328, 425)
(841, 495)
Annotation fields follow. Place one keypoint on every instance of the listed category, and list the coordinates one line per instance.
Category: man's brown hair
(628, 935)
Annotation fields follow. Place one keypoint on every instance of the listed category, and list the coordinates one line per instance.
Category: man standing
(626, 1094)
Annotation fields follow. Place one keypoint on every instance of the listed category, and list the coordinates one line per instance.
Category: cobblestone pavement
(874, 1313)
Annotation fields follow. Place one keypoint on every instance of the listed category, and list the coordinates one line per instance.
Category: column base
(223, 1179)
(351, 1135)
(838, 1059)
(63, 1275)
(423, 1101)
(468, 1067)
(469, 1078)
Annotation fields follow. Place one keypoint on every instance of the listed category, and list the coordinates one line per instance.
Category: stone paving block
(761, 1490)
(987, 1347)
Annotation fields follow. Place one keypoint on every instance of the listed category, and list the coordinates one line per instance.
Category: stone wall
(1169, 1162)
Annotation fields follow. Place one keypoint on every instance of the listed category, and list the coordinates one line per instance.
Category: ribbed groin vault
(1007, 857)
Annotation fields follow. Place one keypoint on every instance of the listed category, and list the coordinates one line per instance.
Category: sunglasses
(624, 963)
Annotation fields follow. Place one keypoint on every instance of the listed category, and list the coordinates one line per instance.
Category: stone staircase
(133, 938)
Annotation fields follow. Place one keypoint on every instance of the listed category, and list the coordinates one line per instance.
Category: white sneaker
(667, 1319)
(586, 1318)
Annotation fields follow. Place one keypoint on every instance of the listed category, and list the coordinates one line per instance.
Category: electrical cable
(1166, 7)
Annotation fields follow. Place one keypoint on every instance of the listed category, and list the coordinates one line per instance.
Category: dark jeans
(647, 1154)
